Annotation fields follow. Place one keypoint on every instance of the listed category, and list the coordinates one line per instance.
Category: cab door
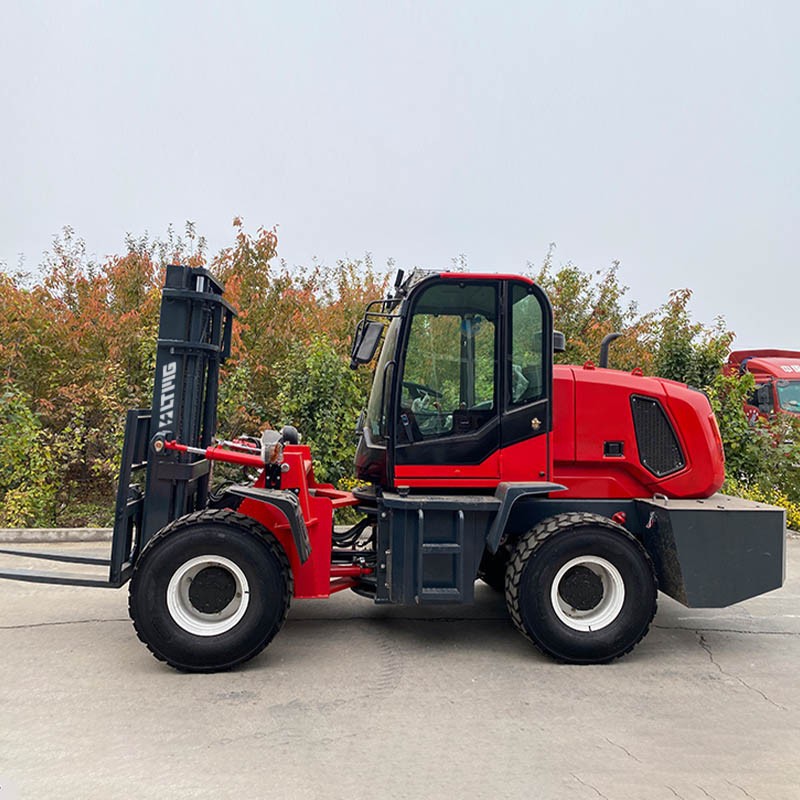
(526, 384)
(447, 420)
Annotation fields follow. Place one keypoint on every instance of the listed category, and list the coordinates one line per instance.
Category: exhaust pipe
(604, 345)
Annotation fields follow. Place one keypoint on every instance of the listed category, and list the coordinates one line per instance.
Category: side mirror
(365, 342)
(559, 342)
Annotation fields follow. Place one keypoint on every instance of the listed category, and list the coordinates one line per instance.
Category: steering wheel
(418, 390)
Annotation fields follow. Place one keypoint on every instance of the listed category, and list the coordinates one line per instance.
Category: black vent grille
(659, 450)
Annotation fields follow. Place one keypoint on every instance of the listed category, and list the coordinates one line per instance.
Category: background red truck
(777, 376)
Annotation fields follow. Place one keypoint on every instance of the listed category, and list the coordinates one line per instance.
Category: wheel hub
(208, 595)
(581, 589)
(587, 593)
(212, 589)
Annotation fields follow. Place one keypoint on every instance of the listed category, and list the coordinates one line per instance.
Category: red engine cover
(592, 416)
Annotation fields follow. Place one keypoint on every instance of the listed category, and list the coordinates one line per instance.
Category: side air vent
(659, 450)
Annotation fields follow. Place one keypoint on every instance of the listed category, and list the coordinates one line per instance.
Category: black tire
(589, 613)
(210, 591)
(492, 569)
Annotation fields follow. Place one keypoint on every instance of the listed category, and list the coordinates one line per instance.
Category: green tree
(321, 397)
(78, 349)
(687, 351)
(589, 305)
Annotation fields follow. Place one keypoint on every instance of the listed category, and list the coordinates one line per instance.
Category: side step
(434, 584)
(429, 547)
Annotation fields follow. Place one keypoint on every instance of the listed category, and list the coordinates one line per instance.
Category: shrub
(27, 479)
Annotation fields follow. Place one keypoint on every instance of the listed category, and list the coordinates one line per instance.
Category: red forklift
(577, 491)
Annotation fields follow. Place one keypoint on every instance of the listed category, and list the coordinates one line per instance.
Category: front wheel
(581, 588)
(210, 591)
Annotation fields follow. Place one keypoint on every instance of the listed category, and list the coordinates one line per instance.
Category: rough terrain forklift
(578, 491)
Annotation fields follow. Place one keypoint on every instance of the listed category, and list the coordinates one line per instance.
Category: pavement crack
(675, 793)
(706, 793)
(726, 630)
(704, 644)
(741, 789)
(584, 783)
(64, 622)
(624, 750)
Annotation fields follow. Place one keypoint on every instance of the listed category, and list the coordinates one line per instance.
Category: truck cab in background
(777, 376)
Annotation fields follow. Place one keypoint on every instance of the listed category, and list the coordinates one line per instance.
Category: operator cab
(464, 374)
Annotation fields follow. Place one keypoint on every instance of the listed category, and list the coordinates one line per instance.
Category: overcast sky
(665, 135)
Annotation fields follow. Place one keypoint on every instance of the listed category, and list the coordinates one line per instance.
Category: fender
(287, 503)
(508, 493)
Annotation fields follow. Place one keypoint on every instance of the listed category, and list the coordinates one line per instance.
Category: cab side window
(448, 382)
(762, 398)
(526, 369)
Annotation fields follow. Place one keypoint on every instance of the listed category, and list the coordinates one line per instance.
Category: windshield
(789, 395)
(376, 419)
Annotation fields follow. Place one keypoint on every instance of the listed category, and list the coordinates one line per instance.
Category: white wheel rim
(606, 610)
(190, 618)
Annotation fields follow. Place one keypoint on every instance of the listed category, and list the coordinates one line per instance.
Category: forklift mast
(194, 339)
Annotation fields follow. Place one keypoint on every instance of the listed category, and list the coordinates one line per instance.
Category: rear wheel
(581, 588)
(210, 591)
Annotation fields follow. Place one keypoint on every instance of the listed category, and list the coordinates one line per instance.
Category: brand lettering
(166, 411)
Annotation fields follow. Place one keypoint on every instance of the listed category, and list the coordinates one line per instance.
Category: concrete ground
(357, 700)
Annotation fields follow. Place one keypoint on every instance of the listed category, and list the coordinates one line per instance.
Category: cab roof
(775, 363)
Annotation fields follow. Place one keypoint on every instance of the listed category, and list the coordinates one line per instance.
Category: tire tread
(227, 518)
(526, 549)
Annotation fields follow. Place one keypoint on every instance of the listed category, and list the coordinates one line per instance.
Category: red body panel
(527, 461)
(592, 406)
(484, 474)
(312, 579)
